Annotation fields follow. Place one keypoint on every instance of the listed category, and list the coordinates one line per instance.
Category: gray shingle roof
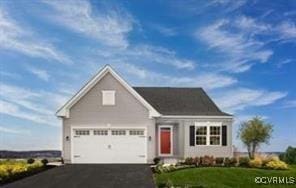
(180, 101)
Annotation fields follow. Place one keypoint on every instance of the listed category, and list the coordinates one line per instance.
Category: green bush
(189, 161)
(156, 160)
(30, 161)
(233, 161)
(44, 162)
(227, 162)
(289, 156)
(244, 161)
(219, 161)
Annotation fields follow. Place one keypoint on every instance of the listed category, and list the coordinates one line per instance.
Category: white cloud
(40, 73)
(13, 131)
(252, 26)
(164, 30)
(284, 62)
(241, 98)
(287, 31)
(36, 106)
(205, 80)
(108, 27)
(238, 50)
(144, 54)
(16, 37)
(289, 104)
(11, 109)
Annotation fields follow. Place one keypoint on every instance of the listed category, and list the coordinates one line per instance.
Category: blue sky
(241, 52)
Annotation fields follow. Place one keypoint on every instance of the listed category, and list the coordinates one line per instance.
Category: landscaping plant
(253, 133)
(244, 161)
(44, 162)
(30, 161)
(289, 156)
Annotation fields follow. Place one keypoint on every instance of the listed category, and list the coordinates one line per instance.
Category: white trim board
(64, 110)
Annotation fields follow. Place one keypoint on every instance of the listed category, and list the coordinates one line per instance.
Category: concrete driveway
(90, 175)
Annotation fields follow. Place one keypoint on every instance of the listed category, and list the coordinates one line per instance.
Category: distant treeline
(30, 154)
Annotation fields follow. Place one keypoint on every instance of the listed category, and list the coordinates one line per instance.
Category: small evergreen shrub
(44, 162)
(156, 160)
(227, 162)
(189, 161)
(219, 161)
(244, 161)
(233, 161)
(207, 160)
(30, 161)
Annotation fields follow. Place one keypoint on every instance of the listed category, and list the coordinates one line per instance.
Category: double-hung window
(215, 135)
(207, 133)
(201, 135)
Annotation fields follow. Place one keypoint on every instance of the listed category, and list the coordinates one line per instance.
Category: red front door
(165, 140)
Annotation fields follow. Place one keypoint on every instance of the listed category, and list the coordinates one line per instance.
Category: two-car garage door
(122, 145)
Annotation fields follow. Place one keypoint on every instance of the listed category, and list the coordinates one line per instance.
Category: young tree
(253, 133)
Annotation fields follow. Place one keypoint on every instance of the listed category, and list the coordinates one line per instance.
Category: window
(215, 134)
(81, 132)
(208, 133)
(118, 132)
(101, 132)
(201, 135)
(136, 132)
(108, 97)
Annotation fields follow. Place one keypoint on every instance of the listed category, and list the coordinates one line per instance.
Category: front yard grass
(222, 177)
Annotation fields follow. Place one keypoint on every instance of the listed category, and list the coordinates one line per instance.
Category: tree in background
(289, 156)
(253, 133)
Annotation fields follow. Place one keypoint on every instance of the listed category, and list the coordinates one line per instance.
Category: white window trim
(208, 125)
(159, 144)
(108, 92)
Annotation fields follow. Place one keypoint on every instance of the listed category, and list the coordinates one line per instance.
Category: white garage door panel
(109, 148)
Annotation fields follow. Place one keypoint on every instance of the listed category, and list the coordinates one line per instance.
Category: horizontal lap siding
(127, 112)
(217, 151)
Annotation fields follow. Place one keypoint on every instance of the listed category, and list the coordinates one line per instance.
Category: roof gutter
(197, 117)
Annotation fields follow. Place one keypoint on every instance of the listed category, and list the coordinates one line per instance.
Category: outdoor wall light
(67, 138)
(149, 138)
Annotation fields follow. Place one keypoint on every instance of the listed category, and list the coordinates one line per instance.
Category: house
(109, 121)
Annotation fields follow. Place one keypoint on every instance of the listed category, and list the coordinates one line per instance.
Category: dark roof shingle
(180, 101)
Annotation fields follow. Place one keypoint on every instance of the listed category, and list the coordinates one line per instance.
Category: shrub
(289, 156)
(196, 161)
(233, 161)
(268, 159)
(30, 161)
(219, 161)
(227, 162)
(156, 160)
(44, 162)
(244, 161)
(189, 161)
(207, 160)
(255, 163)
(277, 165)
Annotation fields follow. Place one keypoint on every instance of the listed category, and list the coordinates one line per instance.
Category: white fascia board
(197, 117)
(64, 110)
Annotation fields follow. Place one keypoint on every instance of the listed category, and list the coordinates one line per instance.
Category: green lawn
(219, 177)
